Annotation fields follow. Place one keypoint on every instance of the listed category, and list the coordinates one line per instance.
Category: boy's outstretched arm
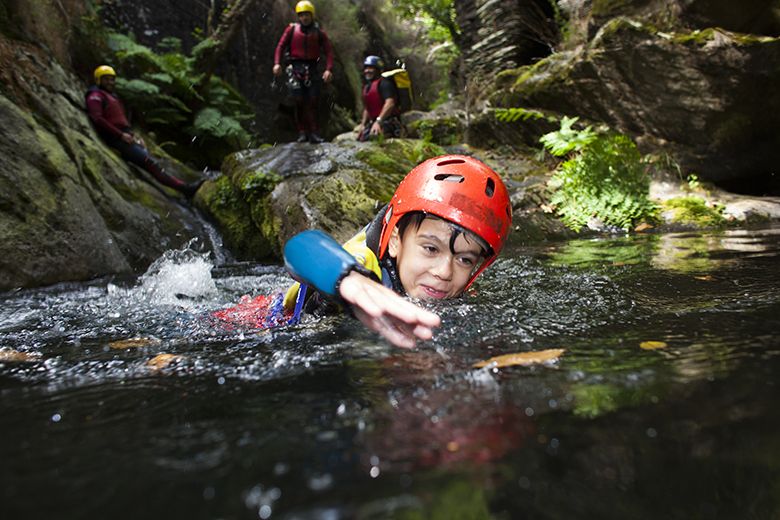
(380, 309)
(318, 260)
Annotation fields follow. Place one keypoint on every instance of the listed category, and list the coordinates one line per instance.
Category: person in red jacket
(304, 43)
(381, 115)
(107, 114)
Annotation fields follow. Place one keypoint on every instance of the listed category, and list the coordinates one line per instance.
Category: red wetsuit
(107, 113)
(305, 46)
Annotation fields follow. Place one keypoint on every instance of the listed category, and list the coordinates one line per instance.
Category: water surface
(132, 403)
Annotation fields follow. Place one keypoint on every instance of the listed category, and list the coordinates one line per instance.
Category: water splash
(176, 278)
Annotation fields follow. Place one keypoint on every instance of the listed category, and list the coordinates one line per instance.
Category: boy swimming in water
(446, 223)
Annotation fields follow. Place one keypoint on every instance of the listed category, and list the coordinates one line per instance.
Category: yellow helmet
(304, 6)
(103, 70)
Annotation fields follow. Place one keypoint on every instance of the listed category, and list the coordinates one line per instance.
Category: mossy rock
(396, 157)
(238, 220)
(444, 131)
(694, 212)
(342, 203)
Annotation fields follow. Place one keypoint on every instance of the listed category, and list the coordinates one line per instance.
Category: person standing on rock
(304, 43)
(107, 114)
(381, 115)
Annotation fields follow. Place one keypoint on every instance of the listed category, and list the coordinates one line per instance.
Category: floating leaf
(161, 361)
(522, 358)
(136, 342)
(15, 355)
(652, 345)
(644, 226)
(705, 278)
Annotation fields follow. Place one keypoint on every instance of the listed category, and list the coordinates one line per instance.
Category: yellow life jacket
(356, 246)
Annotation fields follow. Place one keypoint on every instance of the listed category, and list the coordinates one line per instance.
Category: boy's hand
(397, 320)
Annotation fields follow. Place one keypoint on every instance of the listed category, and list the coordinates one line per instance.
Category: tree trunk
(208, 56)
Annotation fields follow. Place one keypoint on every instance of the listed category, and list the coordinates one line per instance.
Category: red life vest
(305, 45)
(372, 99)
(106, 112)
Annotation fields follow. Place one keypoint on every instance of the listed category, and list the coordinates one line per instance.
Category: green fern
(567, 139)
(603, 178)
(159, 87)
(510, 115)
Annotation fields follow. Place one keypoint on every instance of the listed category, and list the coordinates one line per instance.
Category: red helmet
(460, 189)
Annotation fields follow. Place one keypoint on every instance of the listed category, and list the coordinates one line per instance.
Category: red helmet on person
(458, 188)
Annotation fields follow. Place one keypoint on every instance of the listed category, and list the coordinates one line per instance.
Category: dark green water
(323, 420)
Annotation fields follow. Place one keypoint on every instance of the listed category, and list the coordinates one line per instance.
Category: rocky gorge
(691, 83)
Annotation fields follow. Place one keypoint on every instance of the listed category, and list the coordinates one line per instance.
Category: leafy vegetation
(420, 35)
(441, 14)
(603, 177)
(510, 115)
(695, 211)
(200, 127)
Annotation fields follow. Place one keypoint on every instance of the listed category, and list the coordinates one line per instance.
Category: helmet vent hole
(450, 161)
(490, 188)
(448, 177)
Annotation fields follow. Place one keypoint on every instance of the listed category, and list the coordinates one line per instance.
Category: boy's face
(426, 266)
(305, 18)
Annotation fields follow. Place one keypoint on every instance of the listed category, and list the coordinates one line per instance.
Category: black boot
(302, 137)
(314, 138)
(189, 190)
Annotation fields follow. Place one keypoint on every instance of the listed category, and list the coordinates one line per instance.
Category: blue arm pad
(315, 258)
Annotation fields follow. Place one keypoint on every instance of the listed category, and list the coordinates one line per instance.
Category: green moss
(269, 225)
(380, 188)
(57, 162)
(694, 211)
(224, 203)
(455, 499)
(343, 201)
(396, 157)
(444, 131)
(704, 36)
(256, 184)
(142, 197)
(379, 160)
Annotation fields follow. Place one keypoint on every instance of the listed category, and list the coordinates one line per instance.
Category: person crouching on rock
(381, 114)
(107, 114)
(446, 223)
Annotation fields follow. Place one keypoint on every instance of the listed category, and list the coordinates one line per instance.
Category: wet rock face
(760, 17)
(503, 34)
(265, 196)
(707, 97)
(653, 69)
(70, 208)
